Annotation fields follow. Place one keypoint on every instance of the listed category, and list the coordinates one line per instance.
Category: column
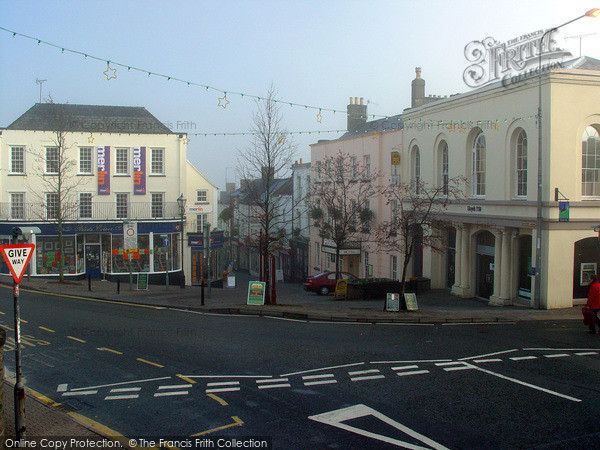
(505, 272)
(462, 262)
(495, 297)
(457, 256)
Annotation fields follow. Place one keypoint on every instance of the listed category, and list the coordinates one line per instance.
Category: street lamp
(538, 254)
(181, 202)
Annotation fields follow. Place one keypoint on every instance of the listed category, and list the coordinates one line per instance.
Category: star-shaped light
(451, 127)
(223, 102)
(319, 117)
(91, 139)
(281, 139)
(185, 140)
(109, 69)
(375, 136)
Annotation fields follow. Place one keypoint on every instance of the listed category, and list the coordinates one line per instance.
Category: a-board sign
(142, 282)
(392, 302)
(411, 301)
(341, 289)
(17, 257)
(256, 293)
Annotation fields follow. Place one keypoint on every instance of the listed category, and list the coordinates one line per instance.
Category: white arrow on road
(337, 417)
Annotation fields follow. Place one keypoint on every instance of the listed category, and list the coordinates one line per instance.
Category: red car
(324, 283)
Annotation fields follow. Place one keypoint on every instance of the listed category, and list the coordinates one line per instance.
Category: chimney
(300, 160)
(418, 89)
(357, 113)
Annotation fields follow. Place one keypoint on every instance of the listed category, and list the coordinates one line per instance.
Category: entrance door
(92, 260)
(485, 276)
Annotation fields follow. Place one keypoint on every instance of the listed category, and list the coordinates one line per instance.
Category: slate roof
(256, 190)
(391, 123)
(89, 119)
(583, 62)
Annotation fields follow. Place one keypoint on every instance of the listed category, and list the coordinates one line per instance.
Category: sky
(315, 53)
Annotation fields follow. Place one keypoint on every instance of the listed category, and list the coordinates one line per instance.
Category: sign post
(17, 258)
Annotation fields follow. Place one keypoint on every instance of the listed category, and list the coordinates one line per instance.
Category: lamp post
(181, 202)
(538, 253)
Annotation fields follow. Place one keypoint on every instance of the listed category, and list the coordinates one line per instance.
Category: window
(521, 163)
(590, 164)
(158, 200)
(478, 176)
(17, 160)
(122, 205)
(85, 160)
(416, 169)
(318, 254)
(202, 196)
(443, 155)
(200, 221)
(394, 266)
(52, 160)
(52, 205)
(122, 161)
(85, 205)
(17, 205)
(367, 167)
(157, 166)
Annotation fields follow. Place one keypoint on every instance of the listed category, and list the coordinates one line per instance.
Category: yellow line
(219, 399)
(189, 380)
(24, 321)
(1, 313)
(47, 329)
(43, 398)
(102, 429)
(104, 349)
(75, 339)
(149, 362)
(237, 422)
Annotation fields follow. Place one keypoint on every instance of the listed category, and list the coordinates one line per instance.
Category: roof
(89, 118)
(583, 62)
(255, 190)
(386, 124)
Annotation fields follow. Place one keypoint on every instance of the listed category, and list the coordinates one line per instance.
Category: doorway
(92, 260)
(484, 276)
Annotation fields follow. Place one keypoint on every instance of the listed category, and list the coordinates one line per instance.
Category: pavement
(48, 418)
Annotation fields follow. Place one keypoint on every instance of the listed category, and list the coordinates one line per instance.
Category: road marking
(406, 324)
(104, 349)
(227, 376)
(122, 397)
(237, 422)
(189, 380)
(23, 320)
(562, 349)
(372, 377)
(523, 358)
(171, 393)
(413, 361)
(122, 383)
(557, 355)
(488, 354)
(131, 389)
(62, 388)
(228, 389)
(413, 366)
(101, 429)
(285, 318)
(272, 386)
(363, 372)
(47, 329)
(412, 372)
(175, 386)
(75, 339)
(586, 353)
(314, 377)
(2, 313)
(539, 388)
(273, 380)
(335, 418)
(149, 362)
(457, 365)
(224, 383)
(69, 394)
(315, 383)
(341, 322)
(453, 324)
(479, 361)
(217, 398)
(322, 368)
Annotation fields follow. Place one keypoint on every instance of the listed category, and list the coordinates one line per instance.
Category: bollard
(118, 285)
(89, 281)
(202, 293)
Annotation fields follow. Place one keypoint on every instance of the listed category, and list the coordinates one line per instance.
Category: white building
(117, 164)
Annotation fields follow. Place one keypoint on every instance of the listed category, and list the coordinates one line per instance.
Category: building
(117, 166)
(296, 270)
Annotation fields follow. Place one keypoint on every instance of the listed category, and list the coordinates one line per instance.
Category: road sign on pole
(17, 257)
(130, 235)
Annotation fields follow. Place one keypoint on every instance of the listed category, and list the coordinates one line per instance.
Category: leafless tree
(417, 218)
(339, 201)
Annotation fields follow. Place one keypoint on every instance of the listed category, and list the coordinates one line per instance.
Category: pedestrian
(593, 302)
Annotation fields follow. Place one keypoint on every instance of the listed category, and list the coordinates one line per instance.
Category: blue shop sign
(196, 240)
(50, 229)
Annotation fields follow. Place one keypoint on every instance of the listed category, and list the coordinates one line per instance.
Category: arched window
(478, 175)
(521, 163)
(590, 163)
(416, 172)
(443, 166)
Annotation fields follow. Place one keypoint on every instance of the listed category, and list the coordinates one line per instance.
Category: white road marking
(341, 323)
(322, 368)
(523, 358)
(556, 355)
(406, 324)
(488, 354)
(273, 380)
(586, 353)
(412, 372)
(224, 383)
(131, 389)
(170, 393)
(455, 365)
(70, 394)
(315, 383)
(271, 386)
(478, 323)
(285, 318)
(314, 377)
(121, 397)
(454, 369)
(335, 418)
(413, 366)
(363, 372)
(371, 377)
(412, 361)
(487, 360)
(229, 389)
(228, 376)
(118, 384)
(62, 387)
(176, 386)
(562, 349)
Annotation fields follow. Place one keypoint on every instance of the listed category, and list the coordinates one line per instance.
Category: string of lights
(110, 73)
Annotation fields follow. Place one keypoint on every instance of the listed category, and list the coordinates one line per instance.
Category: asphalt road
(156, 372)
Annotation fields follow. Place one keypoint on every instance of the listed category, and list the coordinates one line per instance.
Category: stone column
(495, 299)
(464, 289)
(505, 294)
(457, 257)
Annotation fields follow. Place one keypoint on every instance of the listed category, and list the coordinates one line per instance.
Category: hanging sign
(563, 211)
(139, 170)
(17, 257)
(104, 170)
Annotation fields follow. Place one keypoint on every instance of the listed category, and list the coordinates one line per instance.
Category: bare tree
(417, 218)
(267, 196)
(56, 169)
(339, 201)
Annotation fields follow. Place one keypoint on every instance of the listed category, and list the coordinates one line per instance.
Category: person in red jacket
(593, 302)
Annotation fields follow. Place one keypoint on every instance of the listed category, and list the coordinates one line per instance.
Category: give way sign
(17, 257)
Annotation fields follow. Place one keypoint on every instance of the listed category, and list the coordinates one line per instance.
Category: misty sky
(316, 53)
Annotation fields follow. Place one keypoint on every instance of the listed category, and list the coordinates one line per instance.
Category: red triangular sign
(17, 257)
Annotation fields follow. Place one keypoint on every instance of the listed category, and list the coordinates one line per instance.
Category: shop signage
(563, 211)
(341, 289)
(199, 209)
(471, 208)
(139, 170)
(392, 302)
(411, 301)
(395, 158)
(104, 170)
(256, 293)
(196, 240)
(586, 271)
(142, 282)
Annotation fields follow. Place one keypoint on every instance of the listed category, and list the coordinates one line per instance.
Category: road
(145, 371)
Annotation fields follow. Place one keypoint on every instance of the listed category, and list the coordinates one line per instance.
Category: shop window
(48, 255)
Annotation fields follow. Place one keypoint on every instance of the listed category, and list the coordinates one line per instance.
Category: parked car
(324, 283)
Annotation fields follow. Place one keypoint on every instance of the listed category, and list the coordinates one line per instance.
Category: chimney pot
(362, 100)
(351, 101)
(356, 100)
(300, 160)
